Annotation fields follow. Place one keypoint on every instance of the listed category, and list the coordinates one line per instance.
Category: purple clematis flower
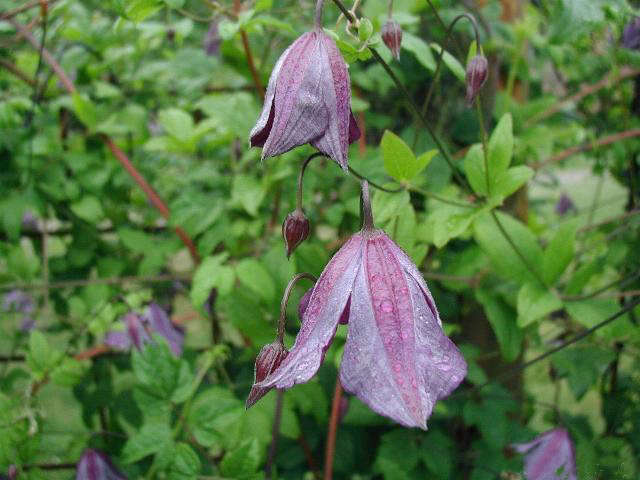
(397, 358)
(18, 301)
(308, 100)
(95, 465)
(138, 329)
(550, 456)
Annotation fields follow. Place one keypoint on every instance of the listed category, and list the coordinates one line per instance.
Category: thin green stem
(367, 214)
(524, 260)
(439, 198)
(359, 176)
(412, 106)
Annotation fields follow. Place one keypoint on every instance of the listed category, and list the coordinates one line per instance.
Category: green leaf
(85, 110)
(450, 221)
(41, 358)
(397, 454)
(70, 372)
(89, 209)
(136, 240)
(510, 180)
(559, 252)
(501, 253)
(451, 62)
(582, 366)
(138, 10)
(534, 302)
(420, 49)
(501, 146)
(592, 311)
(177, 123)
(398, 158)
(503, 322)
(211, 274)
(247, 192)
(474, 169)
(151, 438)
(242, 462)
(253, 275)
(175, 3)
(185, 464)
(213, 413)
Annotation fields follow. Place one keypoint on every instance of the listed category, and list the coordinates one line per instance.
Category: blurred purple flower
(159, 322)
(134, 333)
(397, 358)
(18, 301)
(138, 329)
(212, 40)
(95, 465)
(564, 204)
(308, 100)
(631, 34)
(549, 456)
(27, 324)
(29, 221)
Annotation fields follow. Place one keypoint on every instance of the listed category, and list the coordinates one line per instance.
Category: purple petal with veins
(549, 456)
(95, 465)
(160, 323)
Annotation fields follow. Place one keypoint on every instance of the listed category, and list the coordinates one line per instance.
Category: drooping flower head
(397, 358)
(549, 456)
(308, 100)
(476, 76)
(392, 37)
(138, 329)
(95, 465)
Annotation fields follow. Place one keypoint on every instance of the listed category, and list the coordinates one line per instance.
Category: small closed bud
(477, 72)
(295, 230)
(392, 37)
(365, 29)
(267, 361)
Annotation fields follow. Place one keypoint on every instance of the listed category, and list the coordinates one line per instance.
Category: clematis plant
(549, 456)
(308, 100)
(95, 465)
(397, 358)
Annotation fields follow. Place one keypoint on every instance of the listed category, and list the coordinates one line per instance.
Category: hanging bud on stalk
(477, 73)
(267, 361)
(392, 37)
(295, 230)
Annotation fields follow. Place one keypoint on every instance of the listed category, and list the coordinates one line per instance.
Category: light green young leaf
(559, 253)
(535, 302)
(399, 161)
(510, 180)
(85, 110)
(138, 10)
(255, 277)
(177, 123)
(41, 358)
(242, 462)
(151, 438)
(451, 62)
(70, 372)
(209, 274)
(501, 146)
(89, 209)
(474, 169)
(420, 49)
(185, 464)
(247, 192)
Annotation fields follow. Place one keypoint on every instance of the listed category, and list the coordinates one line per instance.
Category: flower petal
(551, 456)
(337, 98)
(95, 465)
(300, 114)
(320, 320)
(160, 323)
(400, 363)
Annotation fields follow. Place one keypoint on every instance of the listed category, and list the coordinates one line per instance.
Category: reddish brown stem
(154, 198)
(585, 147)
(608, 80)
(10, 67)
(92, 352)
(252, 66)
(333, 430)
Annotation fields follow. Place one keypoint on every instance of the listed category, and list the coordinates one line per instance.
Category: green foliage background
(512, 277)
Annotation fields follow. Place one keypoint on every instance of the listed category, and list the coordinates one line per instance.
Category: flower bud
(268, 360)
(392, 37)
(295, 230)
(477, 72)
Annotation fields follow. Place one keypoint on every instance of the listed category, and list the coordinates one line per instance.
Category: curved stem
(318, 18)
(301, 175)
(367, 215)
(359, 176)
(333, 430)
(445, 46)
(412, 106)
(285, 300)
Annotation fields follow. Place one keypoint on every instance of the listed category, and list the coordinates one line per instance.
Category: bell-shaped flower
(397, 358)
(95, 465)
(159, 322)
(133, 334)
(391, 33)
(295, 230)
(308, 100)
(268, 360)
(549, 456)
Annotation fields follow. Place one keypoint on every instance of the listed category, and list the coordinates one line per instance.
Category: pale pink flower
(549, 456)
